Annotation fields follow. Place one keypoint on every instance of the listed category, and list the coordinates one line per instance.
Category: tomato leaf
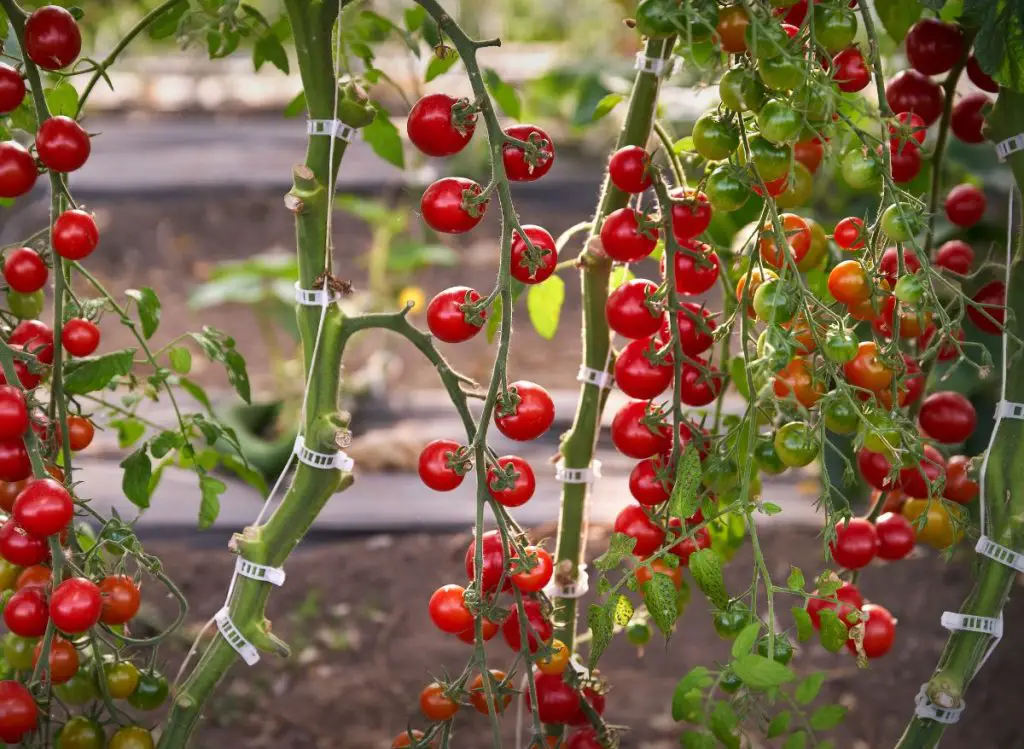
(414, 18)
(605, 106)
(759, 672)
(91, 373)
(778, 725)
(620, 275)
(797, 740)
(706, 568)
(745, 640)
(268, 48)
(808, 689)
(384, 138)
(149, 309)
(694, 683)
(544, 305)
(827, 716)
(697, 740)
(684, 501)
(137, 472)
(221, 348)
(181, 359)
(897, 16)
(129, 429)
(163, 443)
(804, 626)
(590, 92)
(796, 579)
(622, 609)
(440, 65)
(196, 392)
(167, 23)
(601, 623)
(620, 546)
(833, 631)
(209, 507)
(62, 100)
(506, 97)
(660, 597)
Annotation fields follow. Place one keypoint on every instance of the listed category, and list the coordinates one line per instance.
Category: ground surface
(355, 614)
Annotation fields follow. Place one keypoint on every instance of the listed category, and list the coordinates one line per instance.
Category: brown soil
(354, 612)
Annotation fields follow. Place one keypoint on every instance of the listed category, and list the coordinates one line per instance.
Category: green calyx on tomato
(740, 90)
(901, 221)
(796, 444)
(840, 345)
(726, 190)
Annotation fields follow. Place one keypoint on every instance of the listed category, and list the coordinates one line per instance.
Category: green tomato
(816, 99)
(767, 458)
(778, 121)
(81, 732)
(901, 222)
(725, 190)
(730, 622)
(796, 444)
(798, 192)
(766, 40)
(775, 302)
(840, 415)
(861, 169)
(740, 90)
(840, 345)
(781, 73)
(8, 574)
(26, 306)
(879, 435)
(910, 288)
(720, 474)
(715, 138)
(657, 19)
(131, 737)
(79, 689)
(835, 26)
(730, 683)
(771, 161)
(783, 650)
(19, 651)
(122, 677)
(638, 633)
(150, 692)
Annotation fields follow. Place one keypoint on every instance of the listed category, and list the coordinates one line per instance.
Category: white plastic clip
(1010, 145)
(597, 377)
(235, 638)
(925, 708)
(314, 297)
(261, 572)
(327, 461)
(576, 589)
(1006, 557)
(1009, 410)
(658, 66)
(576, 664)
(954, 621)
(577, 475)
(337, 128)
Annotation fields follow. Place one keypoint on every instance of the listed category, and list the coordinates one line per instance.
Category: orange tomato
(798, 237)
(644, 574)
(757, 277)
(732, 29)
(866, 371)
(798, 379)
(848, 283)
(478, 693)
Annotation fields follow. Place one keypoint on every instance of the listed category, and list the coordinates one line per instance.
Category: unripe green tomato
(26, 306)
(720, 474)
(766, 40)
(8, 574)
(726, 192)
(79, 689)
(816, 100)
(910, 288)
(638, 633)
(779, 122)
(771, 160)
(730, 683)
(656, 19)
(781, 73)
(19, 651)
(730, 622)
(775, 302)
(150, 692)
(840, 416)
(901, 222)
(767, 458)
(783, 650)
(798, 192)
(81, 732)
(840, 345)
(880, 435)
(819, 239)
(861, 169)
(715, 138)
(131, 737)
(834, 27)
(740, 90)
(796, 444)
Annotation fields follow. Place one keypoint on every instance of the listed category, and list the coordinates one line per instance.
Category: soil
(354, 612)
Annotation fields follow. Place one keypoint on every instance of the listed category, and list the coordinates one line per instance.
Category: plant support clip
(955, 621)
(315, 297)
(325, 461)
(1011, 145)
(235, 638)
(261, 572)
(577, 475)
(576, 589)
(335, 128)
(999, 553)
(1009, 410)
(597, 377)
(658, 66)
(925, 708)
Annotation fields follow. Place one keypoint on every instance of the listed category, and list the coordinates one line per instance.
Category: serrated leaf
(759, 672)
(91, 373)
(706, 568)
(660, 598)
(181, 359)
(129, 430)
(620, 274)
(506, 97)
(602, 626)
(439, 66)
(832, 631)
(804, 626)
(383, 137)
(779, 725)
(723, 723)
(745, 640)
(620, 546)
(149, 309)
(827, 716)
(62, 100)
(683, 501)
(163, 443)
(897, 16)
(220, 347)
(544, 305)
(137, 473)
(622, 610)
(606, 105)
(797, 740)
(268, 48)
(808, 689)
(796, 579)
(166, 24)
(209, 507)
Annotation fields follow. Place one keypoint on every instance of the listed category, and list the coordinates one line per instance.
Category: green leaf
(62, 100)
(493, 319)
(808, 689)
(620, 546)
(796, 579)
(691, 739)
(163, 443)
(149, 309)
(804, 626)
(769, 508)
(684, 145)
(706, 568)
(897, 16)
(606, 105)
(166, 24)
(759, 672)
(504, 95)
(660, 597)
(249, 475)
(590, 92)
(196, 392)
(724, 723)
(601, 623)
(544, 304)
(439, 66)
(220, 347)
(384, 139)
(827, 716)
(695, 682)
(296, 106)
(129, 430)
(745, 640)
(684, 502)
(268, 48)
(181, 359)
(414, 18)
(796, 740)
(833, 631)
(209, 507)
(779, 725)
(91, 373)
(622, 609)
(620, 274)
(137, 472)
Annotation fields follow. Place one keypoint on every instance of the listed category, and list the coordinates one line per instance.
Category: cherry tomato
(435, 467)
(965, 205)
(517, 167)
(18, 711)
(911, 91)
(782, 73)
(809, 153)
(14, 461)
(44, 507)
(27, 613)
(18, 651)
(629, 169)
(840, 416)
(75, 235)
(866, 371)
(879, 632)
(63, 660)
(848, 283)
(645, 573)
(24, 270)
(435, 704)
(948, 417)
(834, 26)
(775, 302)
(696, 329)
(628, 311)
(624, 240)
(80, 432)
(489, 630)
(13, 413)
(688, 544)
(542, 241)
(960, 487)
(525, 482)
(849, 599)
(798, 237)
(557, 702)
(597, 702)
(799, 190)
(911, 126)
(856, 543)
(535, 580)
(435, 129)
(714, 137)
(121, 678)
(76, 605)
(771, 161)
(80, 337)
(446, 318)
(131, 737)
(17, 170)
(639, 431)
(905, 159)
(796, 444)
(541, 626)
(861, 168)
(52, 38)
(691, 214)
(644, 484)
(700, 387)
(62, 144)
(633, 521)
(403, 739)
(636, 376)
(968, 118)
(896, 536)
(732, 28)
(81, 732)
(79, 689)
(757, 277)
(696, 268)
(556, 663)
(740, 90)
(35, 337)
(979, 77)
(956, 256)
(876, 469)
(934, 47)
(849, 234)
(151, 691)
(35, 576)
(797, 378)
(20, 548)
(448, 610)
(851, 70)
(494, 561)
(120, 599)
(447, 208)
(530, 417)
(12, 88)
(725, 190)
(932, 466)
(991, 297)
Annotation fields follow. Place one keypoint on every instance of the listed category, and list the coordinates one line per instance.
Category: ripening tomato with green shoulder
(740, 90)
(866, 369)
(775, 301)
(81, 732)
(798, 379)
(796, 444)
(901, 222)
(798, 238)
(771, 160)
(714, 137)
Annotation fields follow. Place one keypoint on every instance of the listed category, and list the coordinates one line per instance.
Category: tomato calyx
(464, 114)
(502, 477)
(536, 149)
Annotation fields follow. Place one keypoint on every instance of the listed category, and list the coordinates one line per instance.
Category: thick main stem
(1004, 485)
(578, 446)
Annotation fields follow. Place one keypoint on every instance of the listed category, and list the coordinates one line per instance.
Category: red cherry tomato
(848, 283)
(120, 599)
(875, 469)
(80, 337)
(629, 169)
(494, 561)
(965, 205)
(644, 484)
(856, 543)
(557, 702)
(19, 548)
(447, 320)
(960, 487)
(914, 382)
(701, 539)
(434, 468)
(628, 312)
(17, 170)
(699, 387)
(44, 507)
(542, 241)
(911, 127)
(948, 417)
(63, 660)
(52, 38)
(692, 216)
(934, 47)
(535, 580)
(992, 298)
(632, 432)
(879, 632)
(76, 605)
(905, 159)
(13, 413)
(932, 466)
(851, 70)
(517, 167)
(636, 376)
(62, 144)
(26, 613)
(889, 265)
(448, 610)
(435, 130)
(896, 536)
(24, 270)
(633, 521)
(28, 380)
(80, 432)
(597, 702)
(624, 240)
(809, 153)
(525, 483)
(468, 636)
(849, 598)
(956, 256)
(12, 88)
(797, 235)
(849, 233)
(696, 329)
(968, 118)
(529, 418)
(911, 91)
(446, 208)
(696, 268)
(14, 461)
(535, 618)
(583, 738)
(37, 576)
(947, 350)
(75, 235)
(979, 77)
(18, 712)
